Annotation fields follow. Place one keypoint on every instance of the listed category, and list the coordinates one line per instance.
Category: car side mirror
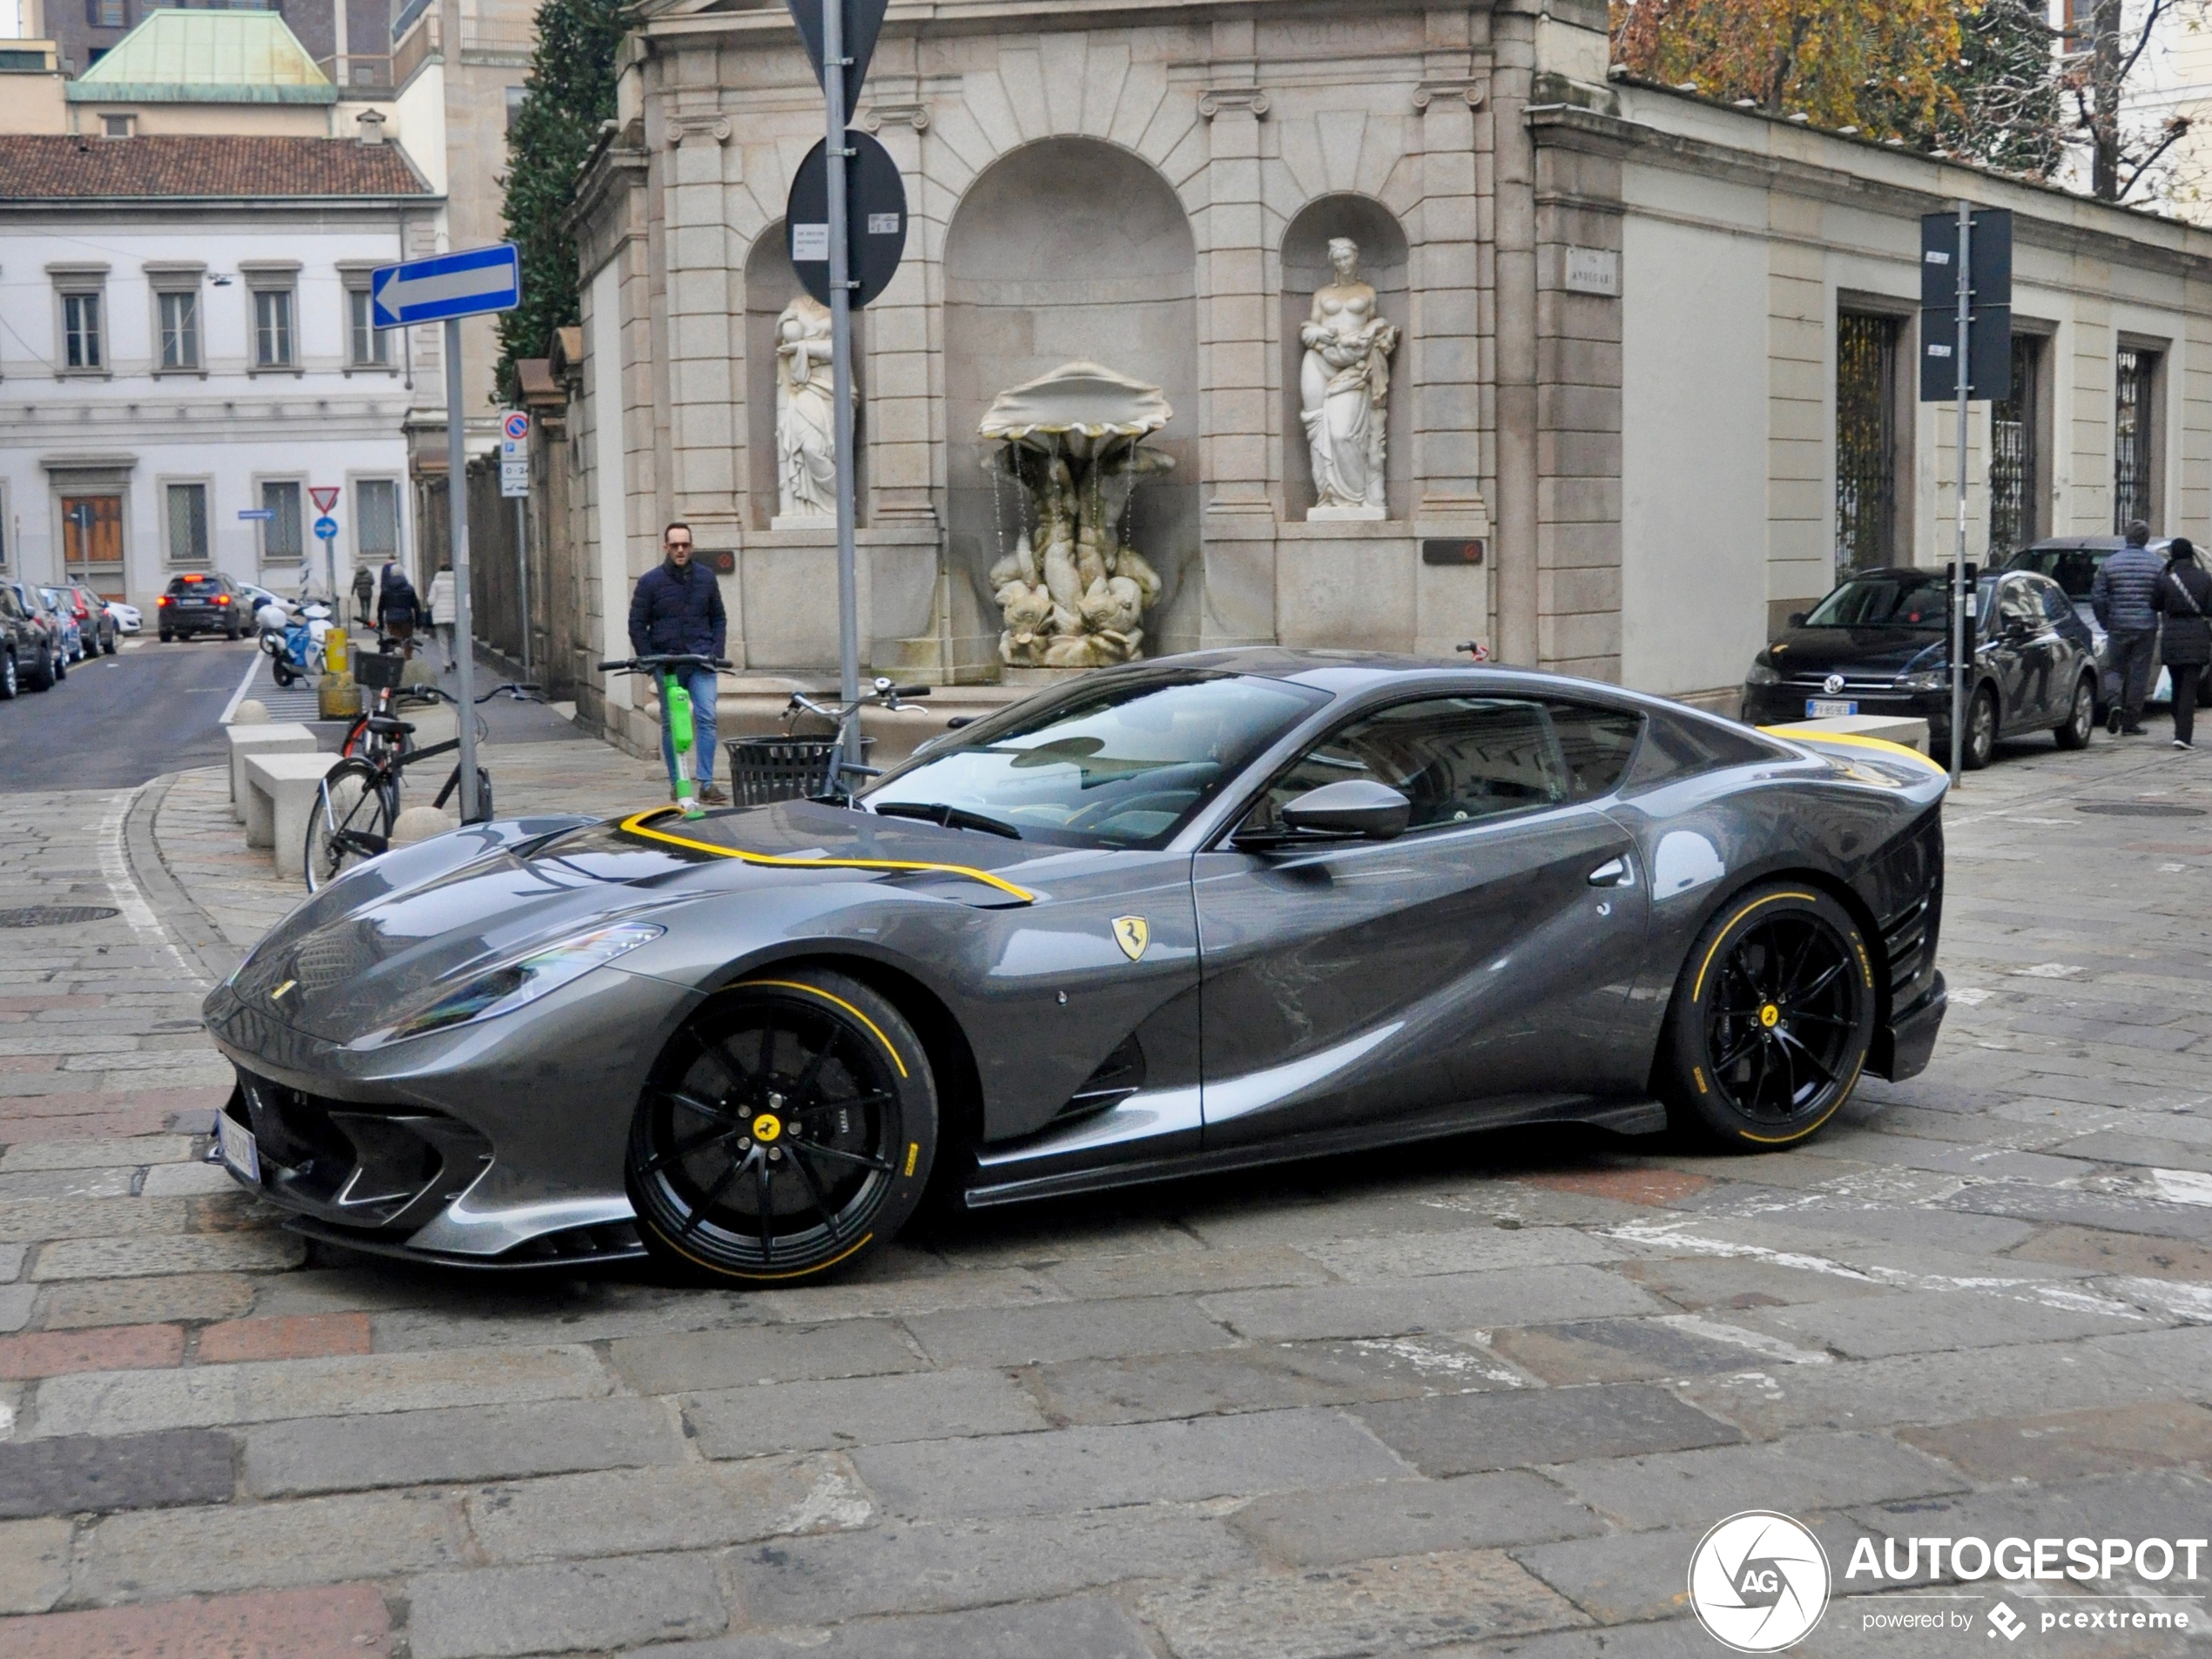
(1357, 806)
(1797, 618)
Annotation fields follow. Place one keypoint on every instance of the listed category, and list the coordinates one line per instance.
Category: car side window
(1460, 759)
(2015, 603)
(2058, 610)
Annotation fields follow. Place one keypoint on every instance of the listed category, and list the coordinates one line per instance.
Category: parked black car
(1880, 644)
(202, 602)
(46, 663)
(26, 654)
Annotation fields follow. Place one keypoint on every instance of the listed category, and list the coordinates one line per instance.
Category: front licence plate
(1820, 708)
(238, 1149)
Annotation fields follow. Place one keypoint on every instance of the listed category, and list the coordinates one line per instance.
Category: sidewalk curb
(195, 933)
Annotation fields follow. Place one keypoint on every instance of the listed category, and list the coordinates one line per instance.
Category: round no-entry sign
(875, 212)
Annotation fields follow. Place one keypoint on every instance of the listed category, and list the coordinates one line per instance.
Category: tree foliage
(570, 90)
(1877, 66)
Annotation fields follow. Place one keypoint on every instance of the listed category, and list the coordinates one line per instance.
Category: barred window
(2134, 448)
(1866, 444)
(376, 518)
(280, 542)
(187, 523)
(2013, 468)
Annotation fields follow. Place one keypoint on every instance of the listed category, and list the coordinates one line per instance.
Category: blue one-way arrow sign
(452, 285)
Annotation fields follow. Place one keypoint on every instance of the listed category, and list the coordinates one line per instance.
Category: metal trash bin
(780, 768)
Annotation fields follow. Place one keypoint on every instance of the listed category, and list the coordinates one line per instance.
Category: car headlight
(1760, 674)
(1933, 680)
(521, 979)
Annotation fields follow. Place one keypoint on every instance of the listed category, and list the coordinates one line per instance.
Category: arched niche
(770, 285)
(1382, 266)
(1063, 249)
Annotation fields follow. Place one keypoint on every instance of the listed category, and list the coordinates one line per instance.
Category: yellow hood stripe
(638, 824)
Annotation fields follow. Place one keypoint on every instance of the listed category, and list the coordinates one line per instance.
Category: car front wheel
(2073, 732)
(788, 1130)
(1771, 1019)
(1981, 732)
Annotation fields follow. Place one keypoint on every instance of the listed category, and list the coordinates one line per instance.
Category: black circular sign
(875, 211)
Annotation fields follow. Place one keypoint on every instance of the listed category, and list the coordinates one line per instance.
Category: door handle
(1614, 872)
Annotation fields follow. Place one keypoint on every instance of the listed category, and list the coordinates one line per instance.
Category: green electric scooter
(675, 712)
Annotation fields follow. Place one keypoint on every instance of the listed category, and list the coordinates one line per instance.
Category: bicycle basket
(378, 671)
(771, 769)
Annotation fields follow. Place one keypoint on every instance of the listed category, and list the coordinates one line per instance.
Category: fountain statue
(1073, 593)
(805, 416)
(1342, 386)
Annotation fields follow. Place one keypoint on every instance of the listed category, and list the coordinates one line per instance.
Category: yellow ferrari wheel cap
(1769, 1016)
(767, 1127)
(1132, 933)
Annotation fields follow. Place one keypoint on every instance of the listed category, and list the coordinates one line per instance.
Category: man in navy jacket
(677, 609)
(2121, 597)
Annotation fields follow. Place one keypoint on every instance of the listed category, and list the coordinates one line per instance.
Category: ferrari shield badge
(1132, 933)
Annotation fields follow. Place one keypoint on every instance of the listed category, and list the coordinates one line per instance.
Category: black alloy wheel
(2073, 732)
(350, 823)
(1981, 731)
(1771, 1019)
(789, 1128)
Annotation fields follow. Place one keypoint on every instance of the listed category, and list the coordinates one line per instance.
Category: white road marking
(244, 685)
(115, 868)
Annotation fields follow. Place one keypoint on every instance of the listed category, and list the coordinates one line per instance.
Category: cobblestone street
(1483, 1397)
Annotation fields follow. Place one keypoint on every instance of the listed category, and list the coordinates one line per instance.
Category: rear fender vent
(1120, 1074)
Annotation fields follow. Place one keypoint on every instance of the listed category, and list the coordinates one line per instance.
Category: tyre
(350, 823)
(41, 677)
(1981, 732)
(166, 636)
(280, 671)
(789, 1128)
(11, 685)
(1771, 1019)
(107, 645)
(2073, 732)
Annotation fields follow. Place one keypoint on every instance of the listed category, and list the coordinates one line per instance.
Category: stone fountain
(1072, 592)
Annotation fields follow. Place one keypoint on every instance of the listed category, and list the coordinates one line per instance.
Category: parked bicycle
(676, 714)
(791, 768)
(359, 802)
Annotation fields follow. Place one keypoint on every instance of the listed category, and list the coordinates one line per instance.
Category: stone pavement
(1480, 1400)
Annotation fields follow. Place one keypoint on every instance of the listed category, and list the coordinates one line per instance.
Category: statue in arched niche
(1343, 386)
(806, 413)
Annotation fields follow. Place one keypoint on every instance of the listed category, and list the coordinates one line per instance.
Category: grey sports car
(1184, 915)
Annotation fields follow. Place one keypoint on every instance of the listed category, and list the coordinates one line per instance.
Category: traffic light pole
(1959, 594)
(834, 63)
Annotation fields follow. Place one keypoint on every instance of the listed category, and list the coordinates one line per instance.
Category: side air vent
(1120, 1074)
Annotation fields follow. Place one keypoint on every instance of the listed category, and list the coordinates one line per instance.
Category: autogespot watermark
(1759, 1582)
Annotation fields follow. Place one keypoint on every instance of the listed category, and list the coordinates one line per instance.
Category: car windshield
(1122, 763)
(1895, 599)
(2073, 569)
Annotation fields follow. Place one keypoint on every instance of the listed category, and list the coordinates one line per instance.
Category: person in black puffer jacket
(2183, 597)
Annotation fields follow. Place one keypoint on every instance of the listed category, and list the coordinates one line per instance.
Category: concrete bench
(267, 739)
(280, 792)
(1892, 728)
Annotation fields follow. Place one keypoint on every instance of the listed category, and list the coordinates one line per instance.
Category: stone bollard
(252, 712)
(420, 824)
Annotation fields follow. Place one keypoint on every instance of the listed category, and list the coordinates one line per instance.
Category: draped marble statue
(1343, 385)
(805, 414)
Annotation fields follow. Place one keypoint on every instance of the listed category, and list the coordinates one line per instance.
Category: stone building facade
(1619, 307)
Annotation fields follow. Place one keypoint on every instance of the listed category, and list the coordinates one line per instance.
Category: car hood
(392, 934)
(1859, 652)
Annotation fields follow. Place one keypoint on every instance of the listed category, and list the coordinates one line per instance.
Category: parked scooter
(295, 644)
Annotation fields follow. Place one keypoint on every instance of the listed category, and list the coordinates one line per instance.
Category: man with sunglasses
(676, 609)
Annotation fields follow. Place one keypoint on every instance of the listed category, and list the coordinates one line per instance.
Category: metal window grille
(272, 328)
(280, 542)
(188, 523)
(2011, 457)
(1865, 442)
(2132, 439)
(107, 14)
(371, 347)
(81, 326)
(376, 518)
(180, 331)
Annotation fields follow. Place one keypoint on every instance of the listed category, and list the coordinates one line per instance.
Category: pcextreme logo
(1758, 1582)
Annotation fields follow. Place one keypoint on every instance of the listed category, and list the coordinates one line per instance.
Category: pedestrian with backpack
(364, 593)
(2183, 597)
(397, 607)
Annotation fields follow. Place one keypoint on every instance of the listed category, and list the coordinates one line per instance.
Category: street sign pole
(1959, 594)
(523, 573)
(465, 647)
(835, 64)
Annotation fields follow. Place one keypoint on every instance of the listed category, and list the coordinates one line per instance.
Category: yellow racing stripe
(638, 824)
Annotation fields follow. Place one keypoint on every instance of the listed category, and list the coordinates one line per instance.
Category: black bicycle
(359, 802)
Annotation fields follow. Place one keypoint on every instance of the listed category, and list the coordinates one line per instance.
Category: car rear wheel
(107, 643)
(788, 1130)
(1771, 1019)
(1981, 732)
(2073, 732)
(41, 677)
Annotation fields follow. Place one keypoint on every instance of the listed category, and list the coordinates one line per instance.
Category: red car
(93, 619)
